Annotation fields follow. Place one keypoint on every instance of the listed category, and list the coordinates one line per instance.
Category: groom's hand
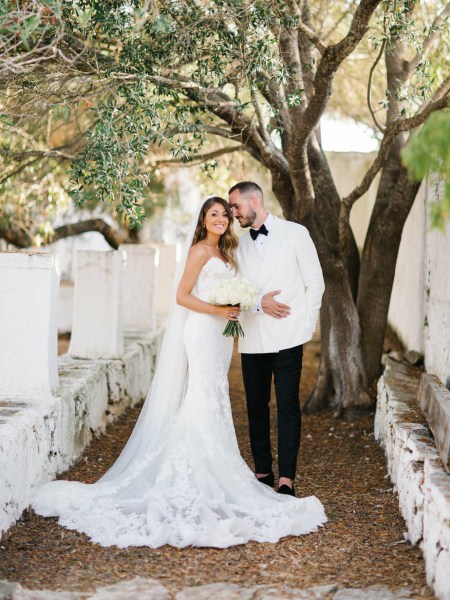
(274, 308)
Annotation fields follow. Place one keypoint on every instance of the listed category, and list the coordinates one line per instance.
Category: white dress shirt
(261, 245)
(261, 240)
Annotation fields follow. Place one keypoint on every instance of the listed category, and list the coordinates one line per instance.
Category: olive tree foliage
(428, 152)
(48, 96)
(258, 76)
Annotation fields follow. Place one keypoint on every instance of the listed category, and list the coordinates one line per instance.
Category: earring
(204, 226)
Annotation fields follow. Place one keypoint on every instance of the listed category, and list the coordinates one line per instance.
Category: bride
(180, 479)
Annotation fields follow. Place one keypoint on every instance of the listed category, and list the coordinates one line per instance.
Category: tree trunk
(342, 382)
(328, 204)
(395, 198)
(323, 394)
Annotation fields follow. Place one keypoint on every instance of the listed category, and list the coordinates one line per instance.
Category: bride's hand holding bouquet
(234, 294)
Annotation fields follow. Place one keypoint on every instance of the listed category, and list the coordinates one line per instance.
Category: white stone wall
(415, 468)
(65, 307)
(98, 305)
(50, 407)
(41, 437)
(437, 313)
(139, 288)
(420, 303)
(28, 334)
(407, 306)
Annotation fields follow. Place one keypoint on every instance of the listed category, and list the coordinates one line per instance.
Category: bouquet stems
(233, 329)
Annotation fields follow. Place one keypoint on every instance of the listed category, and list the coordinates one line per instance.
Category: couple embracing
(180, 479)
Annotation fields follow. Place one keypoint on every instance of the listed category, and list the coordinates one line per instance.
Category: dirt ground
(361, 545)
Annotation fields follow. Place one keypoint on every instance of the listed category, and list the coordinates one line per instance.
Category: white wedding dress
(188, 484)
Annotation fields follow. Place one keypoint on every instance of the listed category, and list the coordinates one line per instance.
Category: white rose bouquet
(235, 291)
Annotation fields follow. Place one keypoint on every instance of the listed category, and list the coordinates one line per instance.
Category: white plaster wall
(165, 275)
(64, 315)
(40, 438)
(420, 303)
(28, 333)
(139, 288)
(97, 317)
(437, 293)
(407, 306)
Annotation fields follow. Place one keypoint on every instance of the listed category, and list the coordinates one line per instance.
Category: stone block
(165, 275)
(97, 330)
(434, 400)
(218, 591)
(418, 473)
(28, 301)
(65, 307)
(139, 288)
(138, 588)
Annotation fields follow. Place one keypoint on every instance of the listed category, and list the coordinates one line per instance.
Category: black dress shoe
(267, 479)
(285, 489)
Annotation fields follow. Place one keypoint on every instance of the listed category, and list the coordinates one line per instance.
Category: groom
(280, 258)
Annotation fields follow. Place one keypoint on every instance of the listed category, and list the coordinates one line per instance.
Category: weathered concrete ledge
(434, 400)
(41, 437)
(415, 468)
(151, 589)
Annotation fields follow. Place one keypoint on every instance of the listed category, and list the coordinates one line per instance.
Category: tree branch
(430, 39)
(339, 21)
(49, 153)
(396, 128)
(18, 169)
(15, 236)
(197, 158)
(331, 60)
(111, 235)
(22, 239)
(262, 129)
(227, 109)
(225, 133)
(305, 30)
(369, 88)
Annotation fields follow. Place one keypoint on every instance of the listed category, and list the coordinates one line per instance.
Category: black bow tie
(255, 232)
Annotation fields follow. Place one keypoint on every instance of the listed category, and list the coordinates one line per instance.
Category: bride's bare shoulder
(199, 253)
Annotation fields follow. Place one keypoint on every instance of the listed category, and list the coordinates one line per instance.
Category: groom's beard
(249, 220)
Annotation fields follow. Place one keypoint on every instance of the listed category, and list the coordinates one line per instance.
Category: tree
(260, 76)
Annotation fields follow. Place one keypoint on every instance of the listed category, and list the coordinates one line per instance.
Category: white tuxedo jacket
(290, 264)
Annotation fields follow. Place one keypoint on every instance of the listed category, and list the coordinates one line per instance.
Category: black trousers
(257, 369)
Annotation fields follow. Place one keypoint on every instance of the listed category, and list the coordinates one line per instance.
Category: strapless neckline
(226, 264)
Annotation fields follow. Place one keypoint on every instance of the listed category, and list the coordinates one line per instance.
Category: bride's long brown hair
(228, 241)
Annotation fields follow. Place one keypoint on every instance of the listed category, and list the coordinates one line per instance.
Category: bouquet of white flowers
(235, 291)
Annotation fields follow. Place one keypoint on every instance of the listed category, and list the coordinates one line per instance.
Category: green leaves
(114, 165)
(25, 26)
(110, 166)
(428, 152)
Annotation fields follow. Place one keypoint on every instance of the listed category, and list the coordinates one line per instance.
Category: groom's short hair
(247, 186)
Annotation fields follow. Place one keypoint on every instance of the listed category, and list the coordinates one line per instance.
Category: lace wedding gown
(191, 485)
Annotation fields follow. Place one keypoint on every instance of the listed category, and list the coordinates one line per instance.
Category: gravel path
(362, 544)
